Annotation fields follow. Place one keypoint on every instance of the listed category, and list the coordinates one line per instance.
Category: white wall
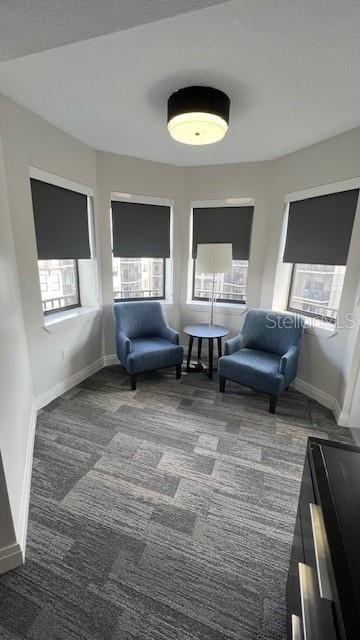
(16, 394)
(28, 141)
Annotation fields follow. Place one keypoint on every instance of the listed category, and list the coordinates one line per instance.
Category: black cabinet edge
(324, 496)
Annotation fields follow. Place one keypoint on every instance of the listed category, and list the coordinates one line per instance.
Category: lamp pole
(212, 300)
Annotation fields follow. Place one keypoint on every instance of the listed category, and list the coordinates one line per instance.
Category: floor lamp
(214, 258)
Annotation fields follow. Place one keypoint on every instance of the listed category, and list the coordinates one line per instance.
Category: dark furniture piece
(208, 332)
(264, 356)
(144, 341)
(323, 587)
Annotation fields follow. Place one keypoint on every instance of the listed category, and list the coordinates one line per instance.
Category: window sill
(320, 329)
(66, 319)
(166, 304)
(226, 308)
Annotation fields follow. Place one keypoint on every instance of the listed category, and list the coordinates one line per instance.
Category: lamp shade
(214, 258)
(198, 115)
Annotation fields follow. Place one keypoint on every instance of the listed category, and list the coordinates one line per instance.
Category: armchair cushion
(271, 330)
(140, 319)
(253, 368)
(153, 353)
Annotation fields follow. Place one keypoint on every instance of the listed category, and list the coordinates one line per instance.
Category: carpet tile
(165, 513)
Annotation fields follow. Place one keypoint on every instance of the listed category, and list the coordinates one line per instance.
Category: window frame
(206, 299)
(68, 307)
(300, 312)
(143, 299)
(89, 192)
(231, 201)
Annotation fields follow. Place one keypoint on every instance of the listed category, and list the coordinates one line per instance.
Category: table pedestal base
(199, 365)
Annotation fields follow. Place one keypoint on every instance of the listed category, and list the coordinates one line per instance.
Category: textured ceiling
(291, 69)
(36, 25)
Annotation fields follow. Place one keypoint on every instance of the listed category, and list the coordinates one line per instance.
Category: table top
(206, 330)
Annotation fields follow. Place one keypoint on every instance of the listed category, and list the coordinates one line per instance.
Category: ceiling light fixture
(198, 115)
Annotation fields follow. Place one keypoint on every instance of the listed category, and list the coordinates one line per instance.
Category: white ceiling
(291, 69)
(36, 25)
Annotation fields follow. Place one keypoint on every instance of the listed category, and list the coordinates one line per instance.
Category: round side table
(208, 332)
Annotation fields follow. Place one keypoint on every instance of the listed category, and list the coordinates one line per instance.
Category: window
(316, 290)
(64, 290)
(55, 281)
(139, 278)
(140, 229)
(229, 287)
(62, 229)
(317, 244)
(43, 281)
(228, 225)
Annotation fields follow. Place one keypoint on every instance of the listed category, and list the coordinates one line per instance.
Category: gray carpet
(165, 513)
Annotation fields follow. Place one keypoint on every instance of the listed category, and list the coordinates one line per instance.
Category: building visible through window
(138, 278)
(229, 287)
(58, 284)
(316, 290)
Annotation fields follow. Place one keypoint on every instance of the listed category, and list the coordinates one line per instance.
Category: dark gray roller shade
(61, 222)
(319, 229)
(140, 230)
(224, 224)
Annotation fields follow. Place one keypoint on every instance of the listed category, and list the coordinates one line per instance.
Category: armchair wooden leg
(133, 381)
(222, 381)
(272, 406)
(178, 371)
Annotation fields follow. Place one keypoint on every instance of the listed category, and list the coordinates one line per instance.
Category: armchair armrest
(288, 363)
(123, 344)
(169, 334)
(235, 344)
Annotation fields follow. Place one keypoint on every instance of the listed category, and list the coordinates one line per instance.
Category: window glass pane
(138, 278)
(316, 289)
(58, 284)
(229, 287)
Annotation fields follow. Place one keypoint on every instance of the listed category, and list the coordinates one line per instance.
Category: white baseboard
(111, 360)
(10, 558)
(316, 394)
(65, 385)
(342, 418)
(25, 496)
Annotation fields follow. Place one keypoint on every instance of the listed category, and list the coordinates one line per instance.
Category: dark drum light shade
(198, 115)
(233, 225)
(319, 229)
(140, 230)
(61, 222)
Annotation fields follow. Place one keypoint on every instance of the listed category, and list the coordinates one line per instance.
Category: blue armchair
(144, 341)
(265, 354)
